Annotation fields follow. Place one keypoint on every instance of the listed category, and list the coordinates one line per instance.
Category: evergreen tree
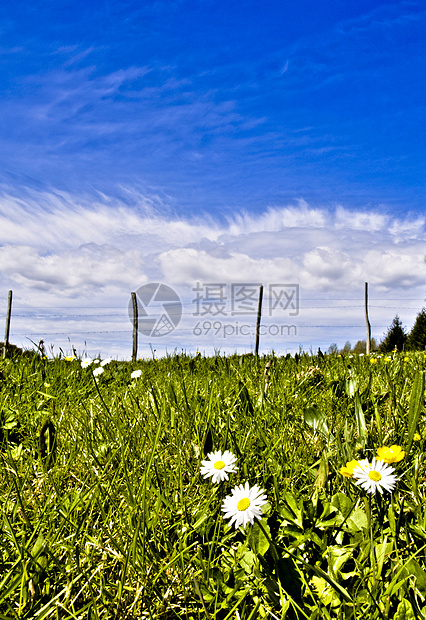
(395, 337)
(416, 340)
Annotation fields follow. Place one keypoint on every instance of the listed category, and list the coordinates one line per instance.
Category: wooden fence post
(6, 332)
(135, 327)
(368, 340)
(259, 316)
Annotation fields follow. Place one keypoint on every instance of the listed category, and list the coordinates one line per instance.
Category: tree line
(396, 337)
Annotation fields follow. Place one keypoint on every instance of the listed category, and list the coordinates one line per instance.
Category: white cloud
(327, 268)
(58, 220)
(93, 252)
(406, 230)
(392, 269)
(369, 222)
(276, 219)
(187, 265)
(88, 270)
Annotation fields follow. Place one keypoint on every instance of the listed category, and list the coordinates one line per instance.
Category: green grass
(105, 513)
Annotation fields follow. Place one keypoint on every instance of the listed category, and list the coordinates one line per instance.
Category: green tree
(417, 337)
(396, 336)
(347, 348)
(361, 346)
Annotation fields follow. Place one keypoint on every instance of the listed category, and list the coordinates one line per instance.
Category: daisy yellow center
(243, 504)
(375, 475)
(219, 465)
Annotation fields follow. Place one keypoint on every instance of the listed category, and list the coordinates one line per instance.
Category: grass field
(105, 513)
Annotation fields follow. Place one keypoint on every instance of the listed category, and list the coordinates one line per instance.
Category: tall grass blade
(317, 420)
(415, 407)
(360, 420)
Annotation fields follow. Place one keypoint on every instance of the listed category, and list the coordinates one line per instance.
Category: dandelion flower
(348, 470)
(136, 374)
(373, 360)
(98, 371)
(69, 358)
(86, 362)
(417, 437)
(394, 454)
(243, 505)
(218, 465)
(375, 476)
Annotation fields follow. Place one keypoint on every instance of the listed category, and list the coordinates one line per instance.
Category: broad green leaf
(248, 560)
(357, 521)
(413, 568)
(337, 558)
(325, 592)
(295, 513)
(257, 539)
(404, 611)
(343, 503)
(382, 550)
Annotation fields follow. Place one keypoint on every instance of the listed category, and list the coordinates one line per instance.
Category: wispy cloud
(72, 248)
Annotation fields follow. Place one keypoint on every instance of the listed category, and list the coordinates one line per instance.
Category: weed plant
(105, 513)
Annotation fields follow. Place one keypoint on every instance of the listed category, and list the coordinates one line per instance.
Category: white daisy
(243, 505)
(377, 476)
(218, 465)
(86, 362)
(106, 361)
(136, 374)
(98, 371)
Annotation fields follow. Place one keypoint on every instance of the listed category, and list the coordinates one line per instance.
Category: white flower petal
(387, 479)
(209, 470)
(256, 498)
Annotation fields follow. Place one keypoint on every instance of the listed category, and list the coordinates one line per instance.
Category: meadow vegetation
(106, 514)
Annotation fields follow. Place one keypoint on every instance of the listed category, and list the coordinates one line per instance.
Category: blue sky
(159, 136)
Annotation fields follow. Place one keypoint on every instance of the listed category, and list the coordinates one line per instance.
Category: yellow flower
(348, 471)
(394, 454)
(417, 437)
(70, 358)
(373, 360)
